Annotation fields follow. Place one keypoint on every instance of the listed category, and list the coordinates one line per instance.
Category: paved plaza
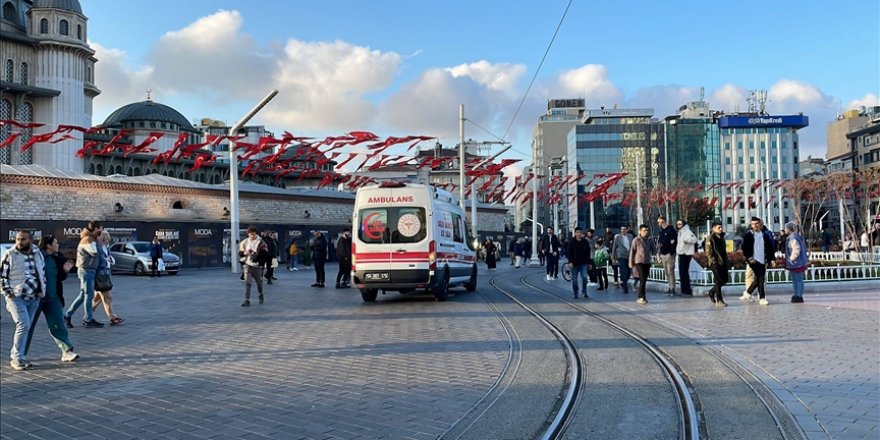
(190, 363)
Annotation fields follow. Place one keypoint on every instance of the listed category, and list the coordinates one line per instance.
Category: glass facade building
(613, 141)
(693, 150)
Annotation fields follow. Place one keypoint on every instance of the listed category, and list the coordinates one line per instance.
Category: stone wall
(49, 198)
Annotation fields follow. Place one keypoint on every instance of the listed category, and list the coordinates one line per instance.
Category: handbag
(103, 283)
(274, 262)
(161, 264)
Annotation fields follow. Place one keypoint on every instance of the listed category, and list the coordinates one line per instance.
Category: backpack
(292, 249)
(601, 257)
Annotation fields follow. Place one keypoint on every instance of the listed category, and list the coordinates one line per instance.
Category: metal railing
(781, 276)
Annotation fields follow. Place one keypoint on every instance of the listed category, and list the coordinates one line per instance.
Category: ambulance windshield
(392, 225)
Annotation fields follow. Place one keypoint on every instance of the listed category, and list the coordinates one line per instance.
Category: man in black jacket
(550, 247)
(666, 242)
(579, 261)
(343, 254)
(319, 257)
(759, 252)
(272, 248)
(716, 252)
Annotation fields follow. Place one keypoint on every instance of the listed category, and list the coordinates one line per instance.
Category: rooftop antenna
(762, 100)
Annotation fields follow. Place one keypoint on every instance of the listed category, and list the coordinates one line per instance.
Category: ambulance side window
(456, 229)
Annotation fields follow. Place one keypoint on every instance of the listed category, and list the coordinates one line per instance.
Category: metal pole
(473, 212)
(535, 167)
(639, 214)
(461, 156)
(233, 181)
(666, 168)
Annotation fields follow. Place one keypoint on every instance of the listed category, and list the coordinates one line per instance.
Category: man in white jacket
(684, 248)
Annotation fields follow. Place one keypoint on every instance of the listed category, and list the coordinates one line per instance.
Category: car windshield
(392, 225)
(142, 247)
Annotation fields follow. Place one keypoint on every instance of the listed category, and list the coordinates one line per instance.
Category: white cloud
(119, 83)
(869, 100)
(592, 83)
(502, 77)
(791, 96)
(429, 105)
(323, 84)
(664, 99)
(729, 98)
(212, 56)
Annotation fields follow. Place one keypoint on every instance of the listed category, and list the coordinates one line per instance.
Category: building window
(9, 11)
(44, 26)
(79, 32)
(10, 70)
(5, 113)
(27, 115)
(89, 74)
(63, 27)
(23, 72)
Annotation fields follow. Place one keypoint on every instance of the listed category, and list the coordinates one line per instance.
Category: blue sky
(401, 67)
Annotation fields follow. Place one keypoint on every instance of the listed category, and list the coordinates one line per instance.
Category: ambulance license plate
(377, 276)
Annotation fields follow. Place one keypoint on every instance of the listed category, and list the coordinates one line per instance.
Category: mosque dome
(67, 5)
(148, 111)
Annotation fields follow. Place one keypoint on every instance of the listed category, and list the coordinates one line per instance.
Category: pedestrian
(579, 260)
(716, 252)
(550, 247)
(292, 252)
(640, 253)
(591, 240)
(796, 260)
(600, 262)
(519, 251)
(511, 250)
(319, 257)
(156, 253)
(56, 269)
(254, 252)
(666, 242)
(491, 249)
(272, 248)
(865, 241)
(826, 240)
(306, 253)
(608, 239)
(104, 293)
(527, 250)
(758, 250)
(620, 255)
(87, 266)
(685, 246)
(875, 235)
(343, 254)
(22, 277)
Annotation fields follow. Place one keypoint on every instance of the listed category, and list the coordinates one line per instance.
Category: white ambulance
(410, 237)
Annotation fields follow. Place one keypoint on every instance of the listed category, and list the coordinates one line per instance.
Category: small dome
(148, 111)
(67, 5)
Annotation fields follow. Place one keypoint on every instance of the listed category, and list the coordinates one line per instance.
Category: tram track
(693, 420)
(689, 418)
(565, 411)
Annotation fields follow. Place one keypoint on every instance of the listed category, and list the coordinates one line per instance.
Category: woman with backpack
(600, 262)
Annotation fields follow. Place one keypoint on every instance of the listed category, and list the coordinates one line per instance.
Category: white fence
(860, 257)
(781, 276)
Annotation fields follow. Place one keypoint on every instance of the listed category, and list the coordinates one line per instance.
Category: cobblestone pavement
(820, 358)
(191, 363)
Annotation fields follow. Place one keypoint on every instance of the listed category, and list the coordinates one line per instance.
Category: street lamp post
(233, 181)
